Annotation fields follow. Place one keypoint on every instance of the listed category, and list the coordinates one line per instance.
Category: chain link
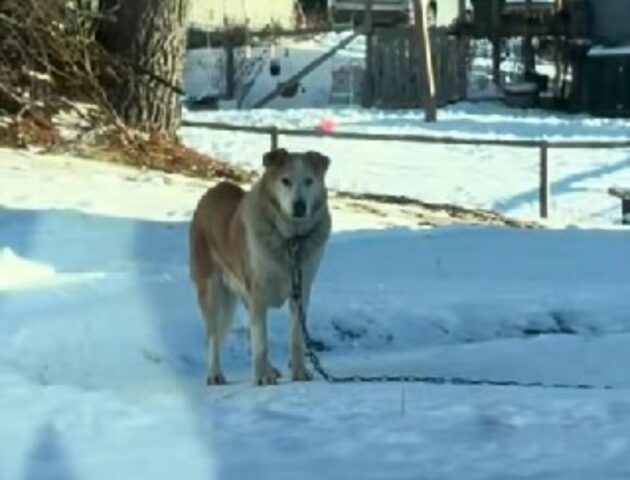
(295, 246)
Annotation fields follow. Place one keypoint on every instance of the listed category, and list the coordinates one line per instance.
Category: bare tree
(149, 36)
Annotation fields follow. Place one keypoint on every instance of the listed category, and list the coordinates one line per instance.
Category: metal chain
(295, 245)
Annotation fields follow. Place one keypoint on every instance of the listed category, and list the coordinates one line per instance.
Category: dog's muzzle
(299, 208)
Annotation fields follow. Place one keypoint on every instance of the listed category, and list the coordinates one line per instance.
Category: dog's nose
(299, 208)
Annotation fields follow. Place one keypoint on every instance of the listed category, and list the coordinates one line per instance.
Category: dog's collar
(299, 239)
(296, 241)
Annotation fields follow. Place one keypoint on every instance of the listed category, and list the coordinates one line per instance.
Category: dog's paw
(216, 379)
(301, 375)
(269, 376)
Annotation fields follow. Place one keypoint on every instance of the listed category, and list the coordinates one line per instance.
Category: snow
(504, 179)
(17, 272)
(22, 271)
(93, 187)
(102, 376)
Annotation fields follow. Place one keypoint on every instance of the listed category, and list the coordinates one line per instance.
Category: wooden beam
(529, 58)
(461, 10)
(368, 93)
(200, 37)
(496, 42)
(282, 86)
(426, 62)
(462, 55)
(557, 61)
(511, 27)
(230, 71)
(496, 61)
(544, 192)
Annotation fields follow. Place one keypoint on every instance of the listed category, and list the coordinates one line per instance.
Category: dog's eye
(308, 182)
(286, 182)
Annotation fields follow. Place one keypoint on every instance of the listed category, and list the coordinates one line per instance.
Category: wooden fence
(393, 79)
(543, 146)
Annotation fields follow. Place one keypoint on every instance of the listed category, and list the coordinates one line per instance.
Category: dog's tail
(200, 262)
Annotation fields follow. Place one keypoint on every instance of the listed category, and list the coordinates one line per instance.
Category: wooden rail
(543, 146)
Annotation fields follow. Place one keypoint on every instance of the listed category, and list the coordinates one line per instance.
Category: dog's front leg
(299, 372)
(264, 372)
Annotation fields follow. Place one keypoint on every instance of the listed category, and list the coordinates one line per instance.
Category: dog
(240, 249)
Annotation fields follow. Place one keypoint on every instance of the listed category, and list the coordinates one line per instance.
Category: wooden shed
(606, 81)
(601, 73)
(611, 21)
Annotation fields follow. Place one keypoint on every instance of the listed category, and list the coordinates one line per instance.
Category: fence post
(273, 131)
(544, 192)
(426, 72)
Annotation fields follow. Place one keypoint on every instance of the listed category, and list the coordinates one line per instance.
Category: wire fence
(543, 146)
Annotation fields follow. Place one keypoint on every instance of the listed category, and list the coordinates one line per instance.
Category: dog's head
(296, 181)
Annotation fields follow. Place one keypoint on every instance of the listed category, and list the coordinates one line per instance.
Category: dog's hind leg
(216, 301)
(217, 304)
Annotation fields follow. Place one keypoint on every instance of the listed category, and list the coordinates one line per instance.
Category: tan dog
(239, 247)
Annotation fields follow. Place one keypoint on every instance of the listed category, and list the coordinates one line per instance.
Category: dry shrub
(159, 152)
(32, 130)
(51, 62)
(50, 56)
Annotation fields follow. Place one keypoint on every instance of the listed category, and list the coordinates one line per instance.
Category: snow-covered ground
(39, 181)
(498, 178)
(101, 346)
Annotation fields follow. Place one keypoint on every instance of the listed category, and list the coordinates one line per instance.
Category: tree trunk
(150, 38)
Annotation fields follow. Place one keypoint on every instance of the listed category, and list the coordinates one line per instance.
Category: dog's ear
(275, 157)
(320, 162)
